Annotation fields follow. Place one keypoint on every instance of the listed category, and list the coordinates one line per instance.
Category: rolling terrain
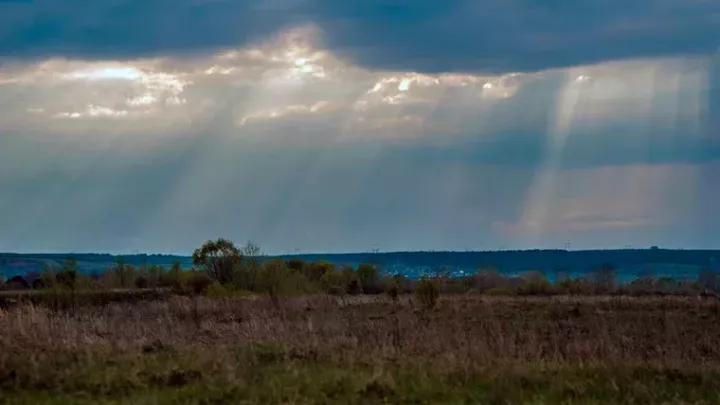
(630, 263)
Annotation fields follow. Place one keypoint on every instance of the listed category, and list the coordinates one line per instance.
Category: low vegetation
(372, 349)
(222, 268)
(239, 329)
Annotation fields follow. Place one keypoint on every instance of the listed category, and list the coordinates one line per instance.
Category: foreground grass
(470, 350)
(266, 374)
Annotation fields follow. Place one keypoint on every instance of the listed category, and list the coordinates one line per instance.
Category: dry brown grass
(465, 332)
(321, 349)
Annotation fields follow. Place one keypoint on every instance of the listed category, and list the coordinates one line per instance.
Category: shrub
(351, 280)
(46, 280)
(575, 286)
(500, 292)
(219, 258)
(335, 290)
(67, 277)
(332, 278)
(141, 282)
(124, 274)
(668, 285)
(273, 277)
(403, 283)
(246, 276)
(427, 292)
(538, 287)
(535, 284)
(16, 283)
(217, 291)
(708, 279)
(316, 270)
(172, 278)
(456, 285)
(369, 278)
(154, 274)
(488, 278)
(353, 288)
(197, 281)
(393, 291)
(296, 265)
(605, 278)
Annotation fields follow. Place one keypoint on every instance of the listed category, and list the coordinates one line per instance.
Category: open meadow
(322, 349)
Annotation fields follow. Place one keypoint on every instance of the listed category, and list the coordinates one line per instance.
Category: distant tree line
(219, 268)
(222, 269)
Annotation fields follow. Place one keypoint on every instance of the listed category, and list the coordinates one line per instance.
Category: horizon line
(137, 253)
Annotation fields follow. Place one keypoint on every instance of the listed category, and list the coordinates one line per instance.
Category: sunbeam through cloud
(302, 137)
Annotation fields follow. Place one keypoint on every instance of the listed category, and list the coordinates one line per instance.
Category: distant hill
(629, 262)
(20, 263)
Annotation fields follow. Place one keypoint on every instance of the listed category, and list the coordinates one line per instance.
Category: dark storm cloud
(518, 35)
(425, 35)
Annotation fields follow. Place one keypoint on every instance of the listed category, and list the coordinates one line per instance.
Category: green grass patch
(265, 373)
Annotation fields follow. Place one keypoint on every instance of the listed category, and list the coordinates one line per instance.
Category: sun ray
(542, 190)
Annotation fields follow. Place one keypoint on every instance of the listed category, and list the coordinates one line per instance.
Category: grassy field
(470, 349)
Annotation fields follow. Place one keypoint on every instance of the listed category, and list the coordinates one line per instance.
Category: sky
(347, 126)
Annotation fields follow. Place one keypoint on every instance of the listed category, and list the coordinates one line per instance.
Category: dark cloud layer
(424, 35)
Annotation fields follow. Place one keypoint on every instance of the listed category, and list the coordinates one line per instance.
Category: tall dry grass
(462, 333)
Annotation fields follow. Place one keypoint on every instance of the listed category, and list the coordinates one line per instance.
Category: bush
(369, 278)
(605, 278)
(296, 265)
(172, 278)
(141, 282)
(403, 283)
(197, 281)
(274, 278)
(219, 291)
(47, 280)
(393, 291)
(67, 277)
(575, 286)
(353, 288)
(153, 275)
(219, 259)
(500, 292)
(335, 290)
(535, 284)
(316, 270)
(333, 278)
(488, 278)
(16, 283)
(543, 287)
(427, 292)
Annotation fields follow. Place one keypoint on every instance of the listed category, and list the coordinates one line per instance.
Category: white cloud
(287, 74)
(290, 75)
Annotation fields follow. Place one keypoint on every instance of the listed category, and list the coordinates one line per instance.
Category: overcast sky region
(345, 126)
